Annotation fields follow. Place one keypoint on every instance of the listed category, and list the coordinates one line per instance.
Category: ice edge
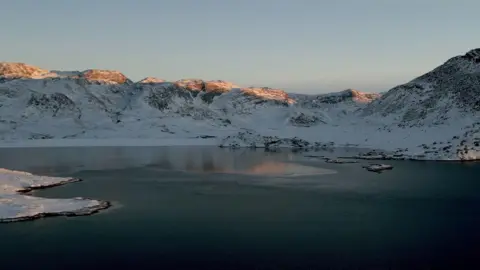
(85, 211)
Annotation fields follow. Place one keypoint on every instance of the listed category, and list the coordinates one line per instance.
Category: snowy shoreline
(249, 139)
(107, 142)
(16, 205)
(103, 205)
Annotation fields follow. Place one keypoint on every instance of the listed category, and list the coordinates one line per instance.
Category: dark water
(208, 208)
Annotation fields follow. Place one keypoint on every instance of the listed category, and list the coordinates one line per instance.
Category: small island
(378, 167)
(16, 205)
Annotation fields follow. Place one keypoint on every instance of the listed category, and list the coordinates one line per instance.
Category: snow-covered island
(378, 167)
(15, 205)
(433, 117)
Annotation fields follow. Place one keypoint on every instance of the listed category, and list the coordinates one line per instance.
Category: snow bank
(18, 207)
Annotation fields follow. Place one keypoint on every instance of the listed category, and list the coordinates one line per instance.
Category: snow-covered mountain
(435, 116)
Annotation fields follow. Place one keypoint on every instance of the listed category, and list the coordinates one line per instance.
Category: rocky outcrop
(304, 119)
(207, 89)
(191, 84)
(10, 70)
(354, 97)
(267, 93)
(54, 104)
(348, 95)
(151, 80)
(219, 86)
(361, 97)
(252, 139)
(104, 76)
(163, 96)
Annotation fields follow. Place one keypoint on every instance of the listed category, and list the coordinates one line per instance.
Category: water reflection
(54, 161)
(268, 168)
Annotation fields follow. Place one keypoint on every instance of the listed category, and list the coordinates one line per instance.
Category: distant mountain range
(435, 116)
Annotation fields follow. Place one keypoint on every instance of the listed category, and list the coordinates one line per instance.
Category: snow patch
(19, 207)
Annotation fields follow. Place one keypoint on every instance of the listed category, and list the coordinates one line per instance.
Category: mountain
(434, 116)
(151, 80)
(21, 70)
(449, 92)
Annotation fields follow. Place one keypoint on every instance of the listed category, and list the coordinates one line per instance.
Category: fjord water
(212, 208)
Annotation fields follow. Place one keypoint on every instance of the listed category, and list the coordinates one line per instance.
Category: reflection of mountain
(209, 159)
(188, 159)
(268, 167)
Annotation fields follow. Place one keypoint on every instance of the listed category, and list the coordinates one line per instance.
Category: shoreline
(88, 211)
(16, 204)
(215, 142)
(104, 142)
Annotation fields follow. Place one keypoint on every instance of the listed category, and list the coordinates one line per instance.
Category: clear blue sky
(302, 45)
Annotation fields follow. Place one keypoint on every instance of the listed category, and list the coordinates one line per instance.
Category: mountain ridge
(434, 116)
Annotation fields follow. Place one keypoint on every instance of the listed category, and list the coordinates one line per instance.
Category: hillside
(434, 116)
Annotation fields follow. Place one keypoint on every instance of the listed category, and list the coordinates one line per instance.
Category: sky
(306, 46)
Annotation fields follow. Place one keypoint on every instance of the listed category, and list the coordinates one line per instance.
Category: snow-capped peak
(436, 115)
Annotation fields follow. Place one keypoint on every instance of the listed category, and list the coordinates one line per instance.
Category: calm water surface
(211, 208)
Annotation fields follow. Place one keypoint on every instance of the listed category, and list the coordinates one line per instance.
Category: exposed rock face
(361, 97)
(347, 95)
(219, 86)
(54, 104)
(303, 119)
(268, 94)
(163, 96)
(351, 96)
(104, 76)
(191, 84)
(151, 80)
(473, 55)
(9, 70)
(207, 89)
(197, 85)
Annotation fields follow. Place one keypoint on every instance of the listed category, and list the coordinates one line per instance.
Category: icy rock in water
(378, 167)
(372, 155)
(19, 207)
(340, 161)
